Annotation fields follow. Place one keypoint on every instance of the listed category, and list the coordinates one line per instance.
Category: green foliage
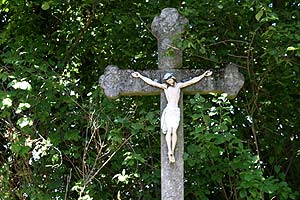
(223, 165)
(61, 138)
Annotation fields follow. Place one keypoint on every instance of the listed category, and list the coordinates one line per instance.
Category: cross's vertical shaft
(167, 28)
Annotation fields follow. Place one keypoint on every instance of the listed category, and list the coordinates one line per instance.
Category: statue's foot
(171, 158)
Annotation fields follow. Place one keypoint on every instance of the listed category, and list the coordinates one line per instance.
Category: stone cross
(167, 28)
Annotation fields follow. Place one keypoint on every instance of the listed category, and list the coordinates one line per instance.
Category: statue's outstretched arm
(148, 80)
(195, 79)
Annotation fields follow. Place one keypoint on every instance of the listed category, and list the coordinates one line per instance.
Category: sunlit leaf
(6, 102)
(22, 106)
(23, 85)
(259, 14)
(292, 48)
(45, 5)
(25, 121)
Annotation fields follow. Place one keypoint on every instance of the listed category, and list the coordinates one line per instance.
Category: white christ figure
(171, 115)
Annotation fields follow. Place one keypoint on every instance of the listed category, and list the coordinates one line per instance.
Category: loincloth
(170, 118)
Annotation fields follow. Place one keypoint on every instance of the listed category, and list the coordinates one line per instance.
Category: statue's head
(170, 79)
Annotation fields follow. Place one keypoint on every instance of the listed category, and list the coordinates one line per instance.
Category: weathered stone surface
(167, 28)
(119, 82)
(172, 174)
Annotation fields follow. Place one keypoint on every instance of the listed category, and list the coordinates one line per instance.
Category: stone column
(167, 28)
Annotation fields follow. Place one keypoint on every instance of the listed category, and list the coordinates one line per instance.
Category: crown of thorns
(168, 76)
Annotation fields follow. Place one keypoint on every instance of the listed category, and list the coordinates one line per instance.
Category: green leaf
(227, 120)
(199, 129)
(45, 5)
(206, 119)
(223, 127)
(72, 135)
(259, 14)
(115, 135)
(292, 48)
(20, 149)
(277, 169)
(192, 148)
(196, 116)
(243, 193)
(3, 76)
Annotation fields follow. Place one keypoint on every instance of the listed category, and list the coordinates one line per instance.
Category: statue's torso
(172, 94)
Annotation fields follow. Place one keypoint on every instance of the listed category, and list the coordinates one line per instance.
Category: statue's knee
(174, 131)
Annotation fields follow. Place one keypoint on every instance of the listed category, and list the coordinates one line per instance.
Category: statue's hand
(136, 74)
(208, 73)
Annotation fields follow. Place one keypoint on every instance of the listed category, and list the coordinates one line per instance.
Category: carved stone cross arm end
(117, 82)
(228, 80)
(233, 80)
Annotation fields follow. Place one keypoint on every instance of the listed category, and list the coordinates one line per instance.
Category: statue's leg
(174, 139)
(173, 143)
(169, 144)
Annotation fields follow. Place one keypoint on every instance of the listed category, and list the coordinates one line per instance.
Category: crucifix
(167, 28)
(170, 117)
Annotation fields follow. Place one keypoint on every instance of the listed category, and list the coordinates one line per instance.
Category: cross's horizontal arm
(118, 82)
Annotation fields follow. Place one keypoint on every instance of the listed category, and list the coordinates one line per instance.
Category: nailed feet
(171, 157)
